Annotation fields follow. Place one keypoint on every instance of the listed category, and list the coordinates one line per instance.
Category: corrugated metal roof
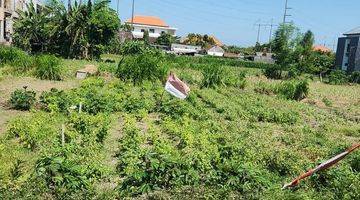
(355, 31)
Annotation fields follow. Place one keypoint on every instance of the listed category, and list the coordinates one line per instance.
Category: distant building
(348, 51)
(154, 25)
(8, 13)
(185, 49)
(231, 55)
(264, 57)
(215, 51)
(322, 49)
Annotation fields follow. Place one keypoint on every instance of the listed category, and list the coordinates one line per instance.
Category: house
(322, 49)
(8, 13)
(154, 25)
(215, 51)
(185, 49)
(348, 51)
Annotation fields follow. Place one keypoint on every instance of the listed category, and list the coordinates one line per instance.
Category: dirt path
(111, 146)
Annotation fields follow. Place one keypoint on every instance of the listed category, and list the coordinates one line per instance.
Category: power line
(286, 12)
(271, 25)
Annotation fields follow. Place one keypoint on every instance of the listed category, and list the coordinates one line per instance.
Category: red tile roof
(148, 20)
(321, 48)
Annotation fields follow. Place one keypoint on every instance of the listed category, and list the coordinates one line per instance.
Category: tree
(284, 44)
(303, 53)
(82, 31)
(146, 37)
(200, 40)
(31, 32)
(165, 39)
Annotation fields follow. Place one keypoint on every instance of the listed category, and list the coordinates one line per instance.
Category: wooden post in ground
(62, 134)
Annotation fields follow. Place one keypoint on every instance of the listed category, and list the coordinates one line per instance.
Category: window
(152, 30)
(143, 30)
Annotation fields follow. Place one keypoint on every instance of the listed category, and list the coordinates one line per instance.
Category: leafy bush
(60, 172)
(337, 77)
(355, 77)
(133, 48)
(22, 99)
(295, 90)
(55, 101)
(48, 67)
(19, 60)
(139, 68)
(273, 72)
(213, 76)
(91, 128)
(236, 80)
(264, 88)
(34, 131)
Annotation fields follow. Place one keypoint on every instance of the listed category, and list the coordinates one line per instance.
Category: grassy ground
(223, 143)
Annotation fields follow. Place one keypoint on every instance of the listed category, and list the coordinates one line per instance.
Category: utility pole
(271, 25)
(258, 35)
(270, 36)
(117, 7)
(132, 18)
(286, 12)
(132, 13)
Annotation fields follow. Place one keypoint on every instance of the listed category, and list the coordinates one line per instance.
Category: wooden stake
(63, 134)
(80, 107)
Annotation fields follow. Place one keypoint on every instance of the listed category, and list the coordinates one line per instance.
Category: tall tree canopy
(200, 40)
(81, 31)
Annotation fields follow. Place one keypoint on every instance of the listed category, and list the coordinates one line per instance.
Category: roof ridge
(353, 31)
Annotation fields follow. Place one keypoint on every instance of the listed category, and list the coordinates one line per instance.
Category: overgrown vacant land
(243, 138)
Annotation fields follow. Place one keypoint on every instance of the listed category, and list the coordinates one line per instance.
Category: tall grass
(48, 67)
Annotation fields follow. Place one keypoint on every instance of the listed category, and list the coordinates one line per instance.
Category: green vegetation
(147, 65)
(119, 135)
(48, 67)
(227, 139)
(22, 99)
(81, 31)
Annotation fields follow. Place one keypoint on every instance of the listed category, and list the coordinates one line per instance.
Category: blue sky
(232, 21)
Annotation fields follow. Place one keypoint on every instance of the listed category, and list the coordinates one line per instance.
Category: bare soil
(9, 84)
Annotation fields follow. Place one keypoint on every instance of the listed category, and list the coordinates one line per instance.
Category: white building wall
(154, 31)
(218, 54)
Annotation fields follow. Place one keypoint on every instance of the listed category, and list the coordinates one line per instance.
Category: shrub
(48, 67)
(273, 72)
(264, 88)
(34, 131)
(58, 171)
(236, 80)
(337, 77)
(355, 77)
(139, 68)
(213, 76)
(55, 101)
(133, 48)
(91, 128)
(19, 60)
(295, 90)
(22, 99)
